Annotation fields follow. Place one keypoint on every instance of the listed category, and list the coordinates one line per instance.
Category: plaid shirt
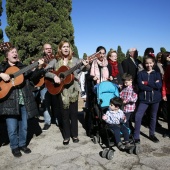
(130, 97)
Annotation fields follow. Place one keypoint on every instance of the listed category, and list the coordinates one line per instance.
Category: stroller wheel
(104, 153)
(137, 149)
(110, 155)
(131, 150)
(95, 139)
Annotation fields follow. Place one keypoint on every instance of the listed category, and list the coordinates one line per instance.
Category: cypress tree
(84, 56)
(163, 49)
(34, 23)
(120, 54)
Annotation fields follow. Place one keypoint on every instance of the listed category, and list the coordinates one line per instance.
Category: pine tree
(120, 54)
(162, 49)
(34, 23)
(84, 56)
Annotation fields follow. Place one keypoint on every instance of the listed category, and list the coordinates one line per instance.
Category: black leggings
(70, 121)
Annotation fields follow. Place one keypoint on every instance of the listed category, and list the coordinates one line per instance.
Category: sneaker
(16, 152)
(25, 149)
(46, 127)
(120, 146)
(153, 138)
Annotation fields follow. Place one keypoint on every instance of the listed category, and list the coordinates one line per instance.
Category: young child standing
(149, 83)
(116, 119)
(129, 98)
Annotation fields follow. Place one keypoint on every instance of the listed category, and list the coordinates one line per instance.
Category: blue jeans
(139, 115)
(117, 129)
(17, 128)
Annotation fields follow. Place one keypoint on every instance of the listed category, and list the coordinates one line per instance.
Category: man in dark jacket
(132, 65)
(17, 102)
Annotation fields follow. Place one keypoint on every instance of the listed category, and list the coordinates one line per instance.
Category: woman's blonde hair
(59, 53)
(110, 52)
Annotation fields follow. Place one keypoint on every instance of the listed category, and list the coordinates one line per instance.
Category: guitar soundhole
(11, 75)
(62, 76)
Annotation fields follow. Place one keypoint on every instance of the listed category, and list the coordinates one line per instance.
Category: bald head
(47, 49)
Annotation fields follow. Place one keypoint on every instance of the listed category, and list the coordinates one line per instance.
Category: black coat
(118, 79)
(10, 104)
(129, 67)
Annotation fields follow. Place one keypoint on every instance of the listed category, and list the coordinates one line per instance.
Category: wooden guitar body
(40, 82)
(55, 88)
(5, 87)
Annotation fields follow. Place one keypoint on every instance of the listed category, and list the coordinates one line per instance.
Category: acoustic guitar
(40, 81)
(66, 76)
(17, 77)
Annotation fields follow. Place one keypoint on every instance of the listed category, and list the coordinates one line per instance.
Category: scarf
(114, 66)
(96, 72)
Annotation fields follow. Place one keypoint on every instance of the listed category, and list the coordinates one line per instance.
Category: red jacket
(166, 82)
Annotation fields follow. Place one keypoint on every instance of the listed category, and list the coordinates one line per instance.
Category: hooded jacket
(150, 91)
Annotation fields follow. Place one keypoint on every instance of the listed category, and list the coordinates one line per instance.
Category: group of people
(19, 104)
(142, 87)
(139, 84)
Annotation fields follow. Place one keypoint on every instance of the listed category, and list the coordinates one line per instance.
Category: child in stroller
(106, 94)
(116, 119)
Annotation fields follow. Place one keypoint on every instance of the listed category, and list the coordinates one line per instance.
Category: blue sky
(128, 23)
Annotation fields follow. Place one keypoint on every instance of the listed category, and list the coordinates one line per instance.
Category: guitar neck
(71, 70)
(25, 69)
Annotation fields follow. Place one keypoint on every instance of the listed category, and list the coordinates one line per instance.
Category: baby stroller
(102, 133)
(103, 92)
